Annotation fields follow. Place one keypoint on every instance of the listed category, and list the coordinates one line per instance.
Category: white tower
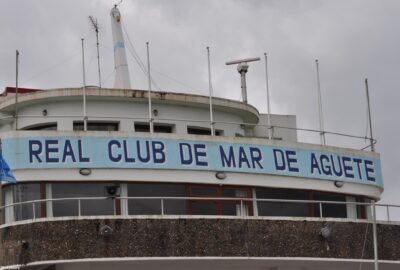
(121, 64)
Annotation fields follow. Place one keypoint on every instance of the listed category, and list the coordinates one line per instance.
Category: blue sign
(154, 153)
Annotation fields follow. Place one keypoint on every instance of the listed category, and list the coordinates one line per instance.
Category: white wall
(278, 121)
(126, 113)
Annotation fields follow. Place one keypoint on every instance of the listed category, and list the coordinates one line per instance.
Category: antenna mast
(96, 29)
(242, 69)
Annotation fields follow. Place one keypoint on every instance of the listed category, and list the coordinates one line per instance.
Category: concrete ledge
(78, 239)
(249, 112)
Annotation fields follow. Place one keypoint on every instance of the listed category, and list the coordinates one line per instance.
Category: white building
(119, 196)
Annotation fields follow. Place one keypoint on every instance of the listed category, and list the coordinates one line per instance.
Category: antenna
(96, 29)
(116, 5)
(242, 69)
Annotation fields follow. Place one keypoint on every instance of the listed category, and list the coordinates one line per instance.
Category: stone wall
(73, 239)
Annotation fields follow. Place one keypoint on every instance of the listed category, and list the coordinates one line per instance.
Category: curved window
(96, 126)
(157, 127)
(203, 131)
(269, 208)
(28, 201)
(21, 196)
(153, 206)
(330, 210)
(95, 204)
(43, 126)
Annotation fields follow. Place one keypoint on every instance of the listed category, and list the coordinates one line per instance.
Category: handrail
(240, 201)
(242, 124)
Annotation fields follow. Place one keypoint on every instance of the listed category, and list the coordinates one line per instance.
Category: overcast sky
(353, 39)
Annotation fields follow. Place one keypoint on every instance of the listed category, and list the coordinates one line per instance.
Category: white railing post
(162, 207)
(241, 208)
(320, 210)
(79, 207)
(33, 211)
(376, 266)
(387, 212)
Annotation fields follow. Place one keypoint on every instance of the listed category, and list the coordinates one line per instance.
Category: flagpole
(320, 113)
(16, 88)
(84, 86)
(268, 103)
(151, 126)
(210, 93)
(369, 116)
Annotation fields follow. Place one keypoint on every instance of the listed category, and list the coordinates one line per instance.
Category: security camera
(106, 231)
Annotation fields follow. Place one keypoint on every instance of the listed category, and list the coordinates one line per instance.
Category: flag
(5, 172)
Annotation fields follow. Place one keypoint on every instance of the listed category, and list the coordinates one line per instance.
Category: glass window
(45, 126)
(209, 191)
(331, 210)
(204, 208)
(223, 206)
(97, 126)
(89, 207)
(24, 193)
(3, 194)
(153, 206)
(142, 127)
(361, 209)
(203, 131)
(157, 127)
(4, 190)
(282, 208)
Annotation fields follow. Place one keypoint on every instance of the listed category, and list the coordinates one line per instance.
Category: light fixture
(339, 184)
(24, 244)
(325, 232)
(85, 171)
(220, 175)
(106, 231)
(44, 112)
(155, 112)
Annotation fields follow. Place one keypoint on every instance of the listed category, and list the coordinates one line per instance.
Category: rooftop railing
(160, 207)
(365, 142)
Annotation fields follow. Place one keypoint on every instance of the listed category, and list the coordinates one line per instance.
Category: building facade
(120, 195)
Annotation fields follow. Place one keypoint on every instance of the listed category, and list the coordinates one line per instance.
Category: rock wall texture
(73, 239)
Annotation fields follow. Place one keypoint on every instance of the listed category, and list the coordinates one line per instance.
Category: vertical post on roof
(210, 93)
(376, 265)
(268, 103)
(96, 29)
(369, 117)
(321, 117)
(151, 124)
(16, 88)
(84, 86)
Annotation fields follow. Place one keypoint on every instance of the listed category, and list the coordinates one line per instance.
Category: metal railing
(161, 207)
(243, 125)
